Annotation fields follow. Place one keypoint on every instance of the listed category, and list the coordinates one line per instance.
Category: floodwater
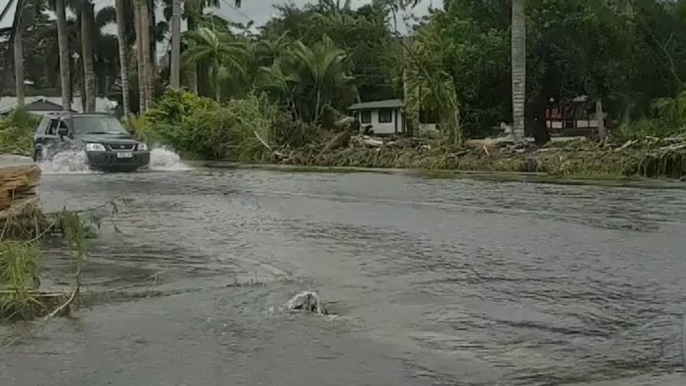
(432, 282)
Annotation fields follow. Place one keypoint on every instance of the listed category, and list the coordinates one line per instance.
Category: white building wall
(385, 128)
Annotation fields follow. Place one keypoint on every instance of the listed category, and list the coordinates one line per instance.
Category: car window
(97, 125)
(42, 126)
(52, 127)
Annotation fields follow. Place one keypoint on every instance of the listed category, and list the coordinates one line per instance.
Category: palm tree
(219, 51)
(193, 10)
(65, 78)
(19, 53)
(145, 45)
(87, 21)
(142, 78)
(123, 64)
(518, 69)
(175, 61)
(312, 79)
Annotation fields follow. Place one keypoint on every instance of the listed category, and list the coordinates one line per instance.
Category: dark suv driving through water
(106, 142)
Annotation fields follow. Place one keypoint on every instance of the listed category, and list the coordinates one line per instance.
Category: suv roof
(71, 114)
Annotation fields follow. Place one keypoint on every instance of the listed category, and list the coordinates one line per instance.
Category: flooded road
(433, 281)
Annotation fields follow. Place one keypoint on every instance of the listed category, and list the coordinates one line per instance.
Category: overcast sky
(261, 10)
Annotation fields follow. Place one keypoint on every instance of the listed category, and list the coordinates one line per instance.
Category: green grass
(19, 277)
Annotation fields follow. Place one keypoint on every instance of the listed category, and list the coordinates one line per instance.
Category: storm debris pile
(18, 190)
(564, 157)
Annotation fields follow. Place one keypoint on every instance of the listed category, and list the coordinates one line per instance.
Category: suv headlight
(95, 147)
(142, 147)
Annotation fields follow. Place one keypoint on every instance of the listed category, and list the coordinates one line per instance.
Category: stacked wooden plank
(18, 190)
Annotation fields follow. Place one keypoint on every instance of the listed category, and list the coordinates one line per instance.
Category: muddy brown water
(434, 282)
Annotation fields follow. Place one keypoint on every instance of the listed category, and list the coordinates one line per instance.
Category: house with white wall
(385, 117)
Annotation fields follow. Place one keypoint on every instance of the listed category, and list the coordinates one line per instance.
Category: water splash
(307, 301)
(164, 159)
(66, 162)
(76, 162)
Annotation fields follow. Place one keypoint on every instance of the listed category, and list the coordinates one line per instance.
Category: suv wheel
(37, 155)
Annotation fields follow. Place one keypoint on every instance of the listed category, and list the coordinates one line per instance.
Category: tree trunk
(217, 86)
(175, 65)
(518, 69)
(601, 121)
(19, 56)
(145, 43)
(65, 79)
(87, 53)
(142, 78)
(152, 27)
(192, 72)
(82, 84)
(123, 63)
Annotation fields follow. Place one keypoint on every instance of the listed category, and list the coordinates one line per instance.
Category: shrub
(16, 132)
(668, 119)
(177, 105)
(241, 130)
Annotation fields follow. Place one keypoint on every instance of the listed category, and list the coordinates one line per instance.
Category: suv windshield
(97, 125)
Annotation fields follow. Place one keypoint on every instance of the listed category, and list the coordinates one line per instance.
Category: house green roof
(386, 104)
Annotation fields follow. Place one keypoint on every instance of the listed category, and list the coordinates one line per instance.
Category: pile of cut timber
(18, 190)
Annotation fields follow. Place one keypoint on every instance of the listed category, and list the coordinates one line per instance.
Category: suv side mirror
(62, 131)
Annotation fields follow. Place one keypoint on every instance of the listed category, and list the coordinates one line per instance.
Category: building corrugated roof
(385, 104)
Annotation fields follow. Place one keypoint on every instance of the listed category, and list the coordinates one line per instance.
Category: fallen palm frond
(20, 254)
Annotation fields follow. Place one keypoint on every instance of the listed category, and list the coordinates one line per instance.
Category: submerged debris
(307, 301)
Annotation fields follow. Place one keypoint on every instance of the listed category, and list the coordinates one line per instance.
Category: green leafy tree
(219, 51)
(311, 80)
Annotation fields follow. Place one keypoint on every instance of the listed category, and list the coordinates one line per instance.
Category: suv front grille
(121, 146)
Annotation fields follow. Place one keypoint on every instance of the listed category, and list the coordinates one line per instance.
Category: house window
(385, 116)
(366, 116)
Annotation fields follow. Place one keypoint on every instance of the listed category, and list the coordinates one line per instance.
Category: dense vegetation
(16, 133)
(288, 82)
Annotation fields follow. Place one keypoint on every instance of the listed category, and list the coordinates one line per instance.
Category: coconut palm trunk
(87, 15)
(192, 72)
(65, 78)
(145, 44)
(123, 63)
(175, 67)
(19, 55)
(152, 23)
(142, 79)
(518, 69)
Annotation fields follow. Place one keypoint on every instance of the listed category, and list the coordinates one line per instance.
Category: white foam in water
(76, 162)
(163, 159)
(66, 162)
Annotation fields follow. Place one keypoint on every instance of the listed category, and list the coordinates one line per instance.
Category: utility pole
(175, 65)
